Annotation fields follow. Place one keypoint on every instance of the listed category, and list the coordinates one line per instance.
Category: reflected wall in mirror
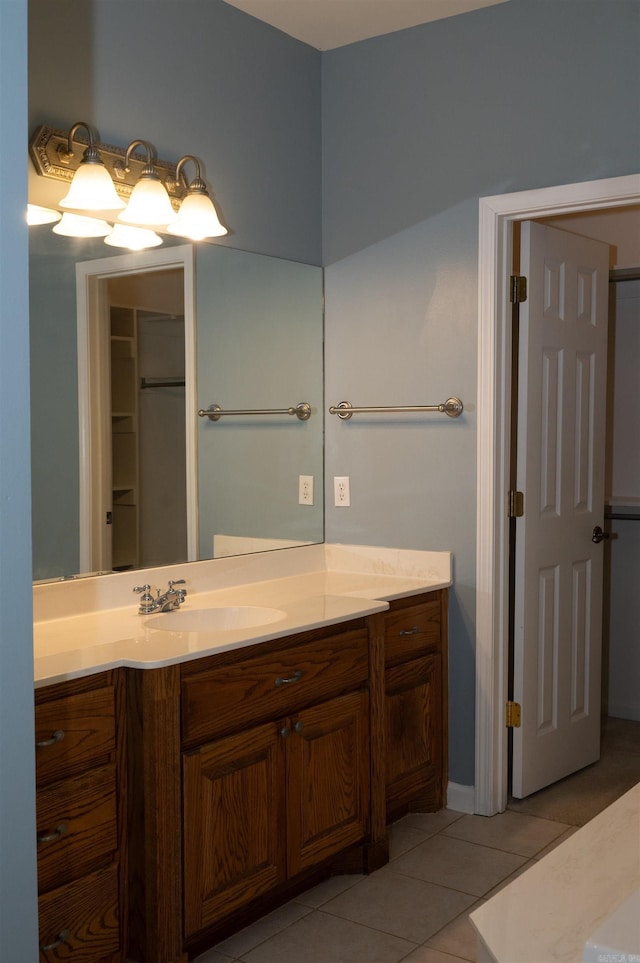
(257, 345)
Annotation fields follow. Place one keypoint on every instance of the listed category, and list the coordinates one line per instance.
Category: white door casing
(495, 257)
(94, 392)
(560, 468)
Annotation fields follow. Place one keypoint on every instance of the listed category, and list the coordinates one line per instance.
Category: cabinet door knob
(61, 938)
(292, 678)
(285, 732)
(56, 834)
(299, 726)
(57, 736)
(412, 631)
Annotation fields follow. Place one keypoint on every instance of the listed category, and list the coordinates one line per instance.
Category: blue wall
(196, 77)
(18, 899)
(417, 125)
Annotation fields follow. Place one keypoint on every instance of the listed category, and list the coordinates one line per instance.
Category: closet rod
(302, 412)
(165, 383)
(620, 516)
(451, 407)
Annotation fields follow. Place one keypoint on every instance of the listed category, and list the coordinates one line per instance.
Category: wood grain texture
(234, 823)
(414, 713)
(87, 723)
(247, 691)
(377, 729)
(416, 732)
(80, 826)
(82, 918)
(413, 627)
(327, 780)
(155, 816)
(80, 813)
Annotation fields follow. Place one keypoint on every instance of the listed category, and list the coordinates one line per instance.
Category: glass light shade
(149, 205)
(133, 238)
(197, 219)
(41, 215)
(92, 190)
(75, 225)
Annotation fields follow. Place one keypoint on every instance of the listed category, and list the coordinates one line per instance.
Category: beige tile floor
(416, 908)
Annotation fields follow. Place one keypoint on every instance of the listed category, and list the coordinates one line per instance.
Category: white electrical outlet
(341, 493)
(305, 490)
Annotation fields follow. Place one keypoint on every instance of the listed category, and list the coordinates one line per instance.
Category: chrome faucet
(165, 602)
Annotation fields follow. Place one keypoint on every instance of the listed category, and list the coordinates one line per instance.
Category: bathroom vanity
(192, 778)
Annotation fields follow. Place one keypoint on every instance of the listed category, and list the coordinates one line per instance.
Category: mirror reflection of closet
(148, 467)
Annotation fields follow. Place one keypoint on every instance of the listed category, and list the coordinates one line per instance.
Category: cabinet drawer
(226, 698)
(77, 826)
(73, 731)
(79, 922)
(411, 630)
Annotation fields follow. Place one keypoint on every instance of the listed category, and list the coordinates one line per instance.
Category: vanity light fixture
(77, 225)
(132, 238)
(41, 215)
(91, 188)
(106, 179)
(149, 205)
(197, 217)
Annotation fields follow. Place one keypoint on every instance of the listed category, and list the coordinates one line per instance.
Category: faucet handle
(178, 581)
(147, 604)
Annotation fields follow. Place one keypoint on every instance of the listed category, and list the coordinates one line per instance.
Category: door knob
(598, 535)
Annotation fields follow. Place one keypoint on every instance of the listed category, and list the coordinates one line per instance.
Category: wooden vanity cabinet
(416, 704)
(290, 787)
(79, 825)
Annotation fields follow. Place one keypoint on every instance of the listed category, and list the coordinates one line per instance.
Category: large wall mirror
(125, 473)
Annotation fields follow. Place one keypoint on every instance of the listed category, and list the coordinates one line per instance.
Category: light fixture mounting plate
(48, 152)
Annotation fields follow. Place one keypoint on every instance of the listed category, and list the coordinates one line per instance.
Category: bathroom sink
(223, 618)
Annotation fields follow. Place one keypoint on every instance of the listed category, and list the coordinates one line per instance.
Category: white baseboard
(461, 798)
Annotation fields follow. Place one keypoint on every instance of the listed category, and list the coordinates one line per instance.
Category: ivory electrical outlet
(341, 492)
(305, 490)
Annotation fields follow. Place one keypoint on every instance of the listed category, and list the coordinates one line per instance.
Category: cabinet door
(327, 779)
(234, 826)
(414, 734)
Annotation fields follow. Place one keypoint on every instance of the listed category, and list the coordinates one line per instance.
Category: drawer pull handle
(57, 736)
(297, 675)
(412, 631)
(60, 939)
(56, 834)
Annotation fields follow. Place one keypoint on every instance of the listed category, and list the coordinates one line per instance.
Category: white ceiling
(326, 24)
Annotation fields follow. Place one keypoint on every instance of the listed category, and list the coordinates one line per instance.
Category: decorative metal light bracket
(48, 149)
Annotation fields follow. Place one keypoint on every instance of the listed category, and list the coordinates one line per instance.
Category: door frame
(93, 386)
(497, 215)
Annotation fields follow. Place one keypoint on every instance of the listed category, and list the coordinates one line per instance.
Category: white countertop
(83, 626)
(551, 911)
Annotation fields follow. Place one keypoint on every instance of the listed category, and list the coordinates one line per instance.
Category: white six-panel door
(560, 469)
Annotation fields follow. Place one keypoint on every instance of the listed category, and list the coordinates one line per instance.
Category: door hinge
(518, 292)
(516, 504)
(512, 715)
